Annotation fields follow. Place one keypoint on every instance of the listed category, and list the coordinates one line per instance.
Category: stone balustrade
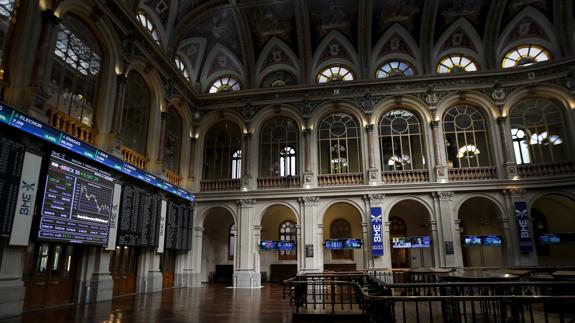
(174, 178)
(226, 184)
(546, 169)
(134, 158)
(71, 126)
(340, 179)
(279, 182)
(472, 174)
(405, 176)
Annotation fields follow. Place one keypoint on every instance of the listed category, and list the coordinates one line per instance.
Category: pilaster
(246, 272)
(449, 227)
(311, 247)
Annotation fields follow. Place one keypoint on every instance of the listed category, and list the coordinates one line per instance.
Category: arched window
(466, 138)
(339, 145)
(341, 229)
(456, 63)
(335, 72)
(394, 68)
(136, 113)
(401, 141)
(279, 140)
(278, 78)
(182, 67)
(288, 232)
(231, 242)
(237, 164)
(525, 55)
(75, 70)
(6, 10)
(225, 84)
(173, 140)
(222, 151)
(539, 124)
(147, 23)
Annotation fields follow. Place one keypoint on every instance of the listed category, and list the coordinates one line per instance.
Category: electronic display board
(492, 240)
(336, 244)
(283, 245)
(36, 128)
(179, 227)
(470, 241)
(268, 245)
(139, 223)
(410, 242)
(11, 161)
(286, 245)
(77, 202)
(549, 238)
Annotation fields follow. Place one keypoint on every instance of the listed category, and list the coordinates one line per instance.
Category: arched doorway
(343, 221)
(482, 234)
(410, 234)
(278, 224)
(554, 230)
(218, 246)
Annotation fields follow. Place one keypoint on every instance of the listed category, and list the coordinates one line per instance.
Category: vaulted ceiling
(252, 38)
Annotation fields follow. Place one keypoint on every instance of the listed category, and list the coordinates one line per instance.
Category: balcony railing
(134, 158)
(340, 179)
(472, 174)
(405, 176)
(71, 126)
(547, 169)
(174, 178)
(226, 184)
(279, 182)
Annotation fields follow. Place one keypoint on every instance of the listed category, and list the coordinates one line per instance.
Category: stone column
(113, 142)
(150, 276)
(245, 273)
(36, 93)
(97, 284)
(453, 256)
(373, 173)
(246, 177)
(300, 247)
(438, 248)
(510, 166)
(441, 173)
(311, 261)
(161, 150)
(376, 200)
(257, 238)
(308, 173)
(11, 285)
(366, 250)
(319, 258)
(191, 174)
(521, 257)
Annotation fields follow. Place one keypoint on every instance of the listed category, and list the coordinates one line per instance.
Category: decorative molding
(247, 203)
(445, 196)
(310, 200)
(376, 198)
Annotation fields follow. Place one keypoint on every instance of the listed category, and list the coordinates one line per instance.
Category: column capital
(164, 115)
(501, 119)
(306, 131)
(310, 200)
(444, 196)
(121, 79)
(433, 124)
(376, 197)
(247, 135)
(247, 203)
(369, 127)
(49, 17)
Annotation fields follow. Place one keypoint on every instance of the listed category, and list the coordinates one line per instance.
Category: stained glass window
(456, 63)
(394, 68)
(525, 55)
(225, 84)
(336, 72)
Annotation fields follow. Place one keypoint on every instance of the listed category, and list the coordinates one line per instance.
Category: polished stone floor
(211, 303)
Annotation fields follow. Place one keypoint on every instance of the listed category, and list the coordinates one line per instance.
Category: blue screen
(471, 241)
(286, 245)
(492, 240)
(267, 245)
(335, 244)
(549, 239)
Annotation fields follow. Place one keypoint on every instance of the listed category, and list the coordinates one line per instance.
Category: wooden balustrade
(226, 184)
(405, 176)
(546, 169)
(340, 179)
(134, 158)
(279, 182)
(174, 178)
(472, 174)
(71, 126)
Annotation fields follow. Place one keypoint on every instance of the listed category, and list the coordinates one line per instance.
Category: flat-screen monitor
(268, 245)
(77, 202)
(410, 242)
(549, 238)
(286, 245)
(492, 240)
(471, 241)
(337, 244)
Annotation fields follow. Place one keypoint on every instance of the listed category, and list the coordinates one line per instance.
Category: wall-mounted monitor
(268, 245)
(471, 241)
(337, 244)
(77, 202)
(286, 245)
(410, 242)
(549, 239)
(492, 240)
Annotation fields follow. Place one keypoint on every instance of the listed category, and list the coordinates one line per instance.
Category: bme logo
(27, 196)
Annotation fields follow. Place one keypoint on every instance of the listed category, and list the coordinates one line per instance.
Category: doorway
(123, 267)
(168, 268)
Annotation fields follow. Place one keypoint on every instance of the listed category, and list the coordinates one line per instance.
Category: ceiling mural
(223, 61)
(526, 28)
(458, 38)
(328, 15)
(515, 6)
(276, 55)
(193, 50)
(161, 8)
(219, 28)
(272, 20)
(475, 11)
(406, 13)
(396, 44)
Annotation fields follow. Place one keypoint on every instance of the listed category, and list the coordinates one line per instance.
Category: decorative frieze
(376, 198)
(310, 200)
(445, 195)
(247, 203)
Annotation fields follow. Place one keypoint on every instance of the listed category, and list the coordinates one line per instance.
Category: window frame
(456, 67)
(401, 138)
(335, 74)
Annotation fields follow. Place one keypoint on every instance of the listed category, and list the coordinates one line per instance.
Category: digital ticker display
(282, 245)
(410, 242)
(337, 244)
(77, 203)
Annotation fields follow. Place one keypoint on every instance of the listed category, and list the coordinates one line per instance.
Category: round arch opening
(481, 233)
(410, 235)
(218, 246)
(278, 224)
(343, 221)
(554, 230)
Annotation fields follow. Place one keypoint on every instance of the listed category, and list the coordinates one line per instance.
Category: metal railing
(380, 301)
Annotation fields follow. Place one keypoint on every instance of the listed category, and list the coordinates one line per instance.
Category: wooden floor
(211, 303)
